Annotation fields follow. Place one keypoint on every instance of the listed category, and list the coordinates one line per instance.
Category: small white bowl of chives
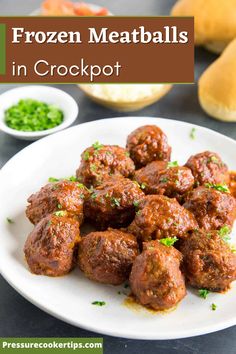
(32, 112)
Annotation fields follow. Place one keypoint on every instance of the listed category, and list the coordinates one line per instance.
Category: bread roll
(215, 21)
(217, 86)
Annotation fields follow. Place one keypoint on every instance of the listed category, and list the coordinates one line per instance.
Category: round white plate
(69, 298)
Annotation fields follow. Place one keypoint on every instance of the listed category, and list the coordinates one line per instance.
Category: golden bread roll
(217, 86)
(215, 21)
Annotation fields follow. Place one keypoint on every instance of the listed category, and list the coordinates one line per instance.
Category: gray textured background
(19, 317)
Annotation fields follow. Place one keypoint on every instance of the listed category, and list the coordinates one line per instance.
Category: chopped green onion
(99, 303)
(29, 115)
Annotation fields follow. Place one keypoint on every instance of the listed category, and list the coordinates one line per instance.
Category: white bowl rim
(67, 121)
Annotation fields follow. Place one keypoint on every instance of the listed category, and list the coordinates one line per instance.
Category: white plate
(69, 298)
(94, 7)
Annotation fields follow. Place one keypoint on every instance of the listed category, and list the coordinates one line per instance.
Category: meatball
(209, 262)
(211, 208)
(160, 217)
(147, 176)
(99, 161)
(173, 182)
(62, 195)
(148, 143)
(51, 247)
(107, 256)
(156, 280)
(207, 167)
(113, 203)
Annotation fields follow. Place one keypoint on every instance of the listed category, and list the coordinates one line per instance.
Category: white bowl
(47, 94)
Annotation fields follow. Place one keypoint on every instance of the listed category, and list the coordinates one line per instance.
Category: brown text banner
(96, 49)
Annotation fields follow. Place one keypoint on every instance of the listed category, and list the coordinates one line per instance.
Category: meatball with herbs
(148, 175)
(156, 280)
(52, 246)
(159, 216)
(209, 263)
(207, 167)
(100, 161)
(113, 203)
(107, 256)
(61, 195)
(211, 207)
(147, 144)
(168, 179)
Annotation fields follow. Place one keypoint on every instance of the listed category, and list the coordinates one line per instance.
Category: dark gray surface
(19, 317)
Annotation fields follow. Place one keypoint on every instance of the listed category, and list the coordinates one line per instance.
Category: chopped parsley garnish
(10, 221)
(99, 303)
(127, 153)
(126, 285)
(136, 203)
(203, 293)
(71, 178)
(213, 307)
(80, 185)
(59, 206)
(86, 155)
(143, 185)
(164, 180)
(53, 179)
(214, 159)
(93, 167)
(138, 212)
(172, 164)
(115, 202)
(224, 233)
(94, 195)
(97, 145)
(193, 133)
(168, 241)
(233, 249)
(60, 213)
(219, 187)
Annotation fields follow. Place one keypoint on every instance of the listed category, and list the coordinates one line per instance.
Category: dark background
(18, 317)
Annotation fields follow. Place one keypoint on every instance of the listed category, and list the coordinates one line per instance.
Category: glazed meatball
(99, 161)
(173, 182)
(211, 208)
(156, 280)
(113, 203)
(62, 195)
(209, 262)
(107, 256)
(146, 144)
(159, 217)
(207, 167)
(147, 176)
(51, 247)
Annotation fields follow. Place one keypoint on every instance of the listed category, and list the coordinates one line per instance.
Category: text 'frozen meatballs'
(207, 167)
(113, 203)
(62, 195)
(156, 280)
(51, 247)
(147, 144)
(209, 262)
(99, 161)
(107, 256)
(211, 208)
(159, 217)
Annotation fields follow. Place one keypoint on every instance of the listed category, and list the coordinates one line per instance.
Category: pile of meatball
(159, 225)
